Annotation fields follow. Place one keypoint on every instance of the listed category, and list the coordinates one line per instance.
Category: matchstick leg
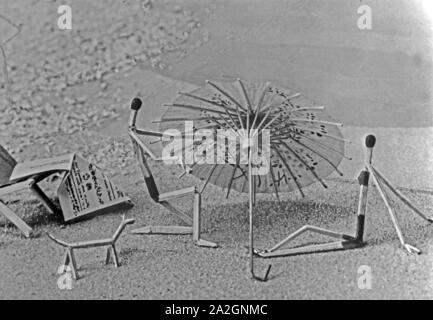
(379, 187)
(314, 248)
(313, 229)
(196, 225)
(205, 243)
(401, 196)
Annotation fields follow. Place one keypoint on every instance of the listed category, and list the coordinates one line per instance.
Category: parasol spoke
(272, 121)
(262, 96)
(271, 171)
(263, 120)
(206, 100)
(233, 120)
(208, 177)
(182, 119)
(318, 154)
(269, 103)
(232, 176)
(246, 178)
(305, 109)
(228, 123)
(237, 104)
(325, 146)
(289, 170)
(293, 96)
(244, 91)
(313, 172)
(259, 105)
(227, 95)
(319, 133)
(316, 121)
(188, 106)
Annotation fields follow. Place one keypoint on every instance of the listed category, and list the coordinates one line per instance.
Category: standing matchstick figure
(380, 181)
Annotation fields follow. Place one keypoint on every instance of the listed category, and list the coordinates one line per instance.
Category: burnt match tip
(370, 141)
(135, 104)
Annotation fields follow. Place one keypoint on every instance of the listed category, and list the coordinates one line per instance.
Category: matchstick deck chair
(348, 241)
(143, 153)
(6, 187)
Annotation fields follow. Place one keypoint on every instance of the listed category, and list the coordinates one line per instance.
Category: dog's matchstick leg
(115, 256)
(65, 262)
(73, 263)
(108, 256)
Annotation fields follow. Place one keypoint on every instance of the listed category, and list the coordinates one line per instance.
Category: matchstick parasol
(275, 140)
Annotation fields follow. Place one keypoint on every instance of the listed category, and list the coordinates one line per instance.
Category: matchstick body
(363, 180)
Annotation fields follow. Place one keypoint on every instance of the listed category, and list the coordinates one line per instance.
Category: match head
(135, 104)
(370, 141)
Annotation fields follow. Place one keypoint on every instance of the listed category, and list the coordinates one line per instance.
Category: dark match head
(370, 141)
(136, 104)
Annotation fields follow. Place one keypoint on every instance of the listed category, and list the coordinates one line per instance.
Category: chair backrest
(140, 151)
(7, 165)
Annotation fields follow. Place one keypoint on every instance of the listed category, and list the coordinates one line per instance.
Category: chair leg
(48, 204)
(17, 221)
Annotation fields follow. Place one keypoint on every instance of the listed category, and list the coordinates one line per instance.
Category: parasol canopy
(303, 143)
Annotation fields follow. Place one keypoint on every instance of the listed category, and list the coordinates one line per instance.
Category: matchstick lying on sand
(69, 257)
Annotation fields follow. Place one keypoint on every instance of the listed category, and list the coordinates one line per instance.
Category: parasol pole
(251, 248)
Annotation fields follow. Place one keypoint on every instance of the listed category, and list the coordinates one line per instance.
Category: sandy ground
(377, 82)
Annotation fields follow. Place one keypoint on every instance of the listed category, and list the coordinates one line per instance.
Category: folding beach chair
(142, 153)
(7, 187)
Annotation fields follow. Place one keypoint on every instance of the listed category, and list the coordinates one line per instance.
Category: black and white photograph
(226, 150)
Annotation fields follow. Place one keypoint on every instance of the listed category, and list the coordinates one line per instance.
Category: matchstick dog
(69, 257)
